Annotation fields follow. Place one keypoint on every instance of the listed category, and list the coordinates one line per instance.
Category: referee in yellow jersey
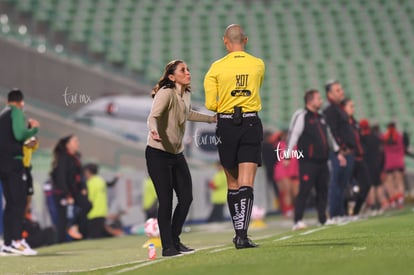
(232, 87)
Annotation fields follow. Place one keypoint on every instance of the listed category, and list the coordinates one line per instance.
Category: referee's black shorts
(239, 143)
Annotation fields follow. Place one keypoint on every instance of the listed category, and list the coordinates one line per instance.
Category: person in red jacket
(286, 176)
(394, 151)
(374, 159)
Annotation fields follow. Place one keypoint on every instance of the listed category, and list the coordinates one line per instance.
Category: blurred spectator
(50, 202)
(218, 187)
(69, 189)
(394, 166)
(286, 174)
(34, 234)
(30, 146)
(150, 201)
(269, 161)
(1, 209)
(360, 170)
(406, 138)
(12, 173)
(115, 210)
(373, 157)
(97, 195)
(309, 132)
(337, 121)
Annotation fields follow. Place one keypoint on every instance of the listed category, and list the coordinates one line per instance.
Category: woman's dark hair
(165, 81)
(345, 101)
(391, 135)
(60, 148)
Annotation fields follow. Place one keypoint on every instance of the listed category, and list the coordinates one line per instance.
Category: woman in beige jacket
(166, 164)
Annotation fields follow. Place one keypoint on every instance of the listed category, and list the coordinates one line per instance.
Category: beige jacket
(169, 113)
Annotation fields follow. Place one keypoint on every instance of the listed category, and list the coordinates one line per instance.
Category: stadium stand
(364, 44)
(367, 45)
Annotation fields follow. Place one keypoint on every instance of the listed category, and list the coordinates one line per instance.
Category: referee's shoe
(241, 243)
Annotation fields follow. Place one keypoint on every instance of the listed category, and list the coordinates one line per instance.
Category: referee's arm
(211, 90)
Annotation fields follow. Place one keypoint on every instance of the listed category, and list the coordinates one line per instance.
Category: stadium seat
(367, 45)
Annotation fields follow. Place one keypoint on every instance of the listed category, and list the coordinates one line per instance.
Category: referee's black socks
(233, 203)
(240, 205)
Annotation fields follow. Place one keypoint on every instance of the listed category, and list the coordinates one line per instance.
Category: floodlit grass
(380, 245)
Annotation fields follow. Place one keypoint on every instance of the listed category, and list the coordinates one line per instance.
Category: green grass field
(378, 245)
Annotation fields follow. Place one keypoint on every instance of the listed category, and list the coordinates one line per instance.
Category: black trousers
(362, 176)
(169, 173)
(14, 180)
(62, 219)
(96, 228)
(312, 174)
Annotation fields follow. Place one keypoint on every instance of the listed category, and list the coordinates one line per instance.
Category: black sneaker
(184, 249)
(241, 243)
(170, 252)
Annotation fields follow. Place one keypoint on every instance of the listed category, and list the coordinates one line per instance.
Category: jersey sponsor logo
(241, 80)
(241, 84)
(241, 93)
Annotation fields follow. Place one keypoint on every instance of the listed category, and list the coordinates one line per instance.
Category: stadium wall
(46, 77)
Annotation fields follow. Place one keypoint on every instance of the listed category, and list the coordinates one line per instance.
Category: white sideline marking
(283, 238)
(95, 268)
(220, 249)
(312, 231)
(147, 263)
(266, 236)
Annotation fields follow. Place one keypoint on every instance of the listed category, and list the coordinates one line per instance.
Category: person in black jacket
(337, 121)
(13, 133)
(374, 159)
(69, 189)
(309, 131)
(360, 169)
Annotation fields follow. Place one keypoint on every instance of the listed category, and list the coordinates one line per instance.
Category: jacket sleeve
(211, 90)
(297, 125)
(159, 105)
(20, 131)
(60, 176)
(199, 117)
(333, 121)
(331, 141)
